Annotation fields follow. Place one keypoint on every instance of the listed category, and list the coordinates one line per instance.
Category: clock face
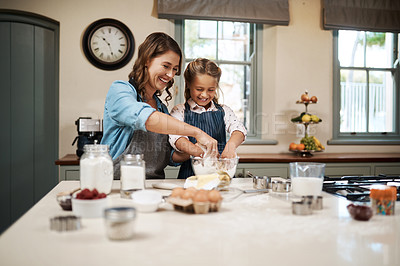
(108, 44)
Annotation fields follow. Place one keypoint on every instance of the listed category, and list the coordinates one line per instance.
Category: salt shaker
(133, 173)
(96, 168)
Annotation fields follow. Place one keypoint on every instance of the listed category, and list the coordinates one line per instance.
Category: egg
(177, 192)
(188, 194)
(214, 196)
(201, 196)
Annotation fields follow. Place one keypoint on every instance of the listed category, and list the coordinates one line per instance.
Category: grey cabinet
(29, 111)
(68, 172)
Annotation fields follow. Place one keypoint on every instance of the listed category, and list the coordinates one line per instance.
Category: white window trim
(339, 138)
(253, 135)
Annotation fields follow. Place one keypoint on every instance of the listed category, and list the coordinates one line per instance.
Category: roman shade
(368, 15)
(275, 12)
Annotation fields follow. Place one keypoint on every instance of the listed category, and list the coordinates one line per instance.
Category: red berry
(102, 195)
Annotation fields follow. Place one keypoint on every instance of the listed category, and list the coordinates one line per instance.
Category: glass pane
(353, 93)
(380, 102)
(233, 38)
(235, 85)
(379, 49)
(200, 39)
(351, 48)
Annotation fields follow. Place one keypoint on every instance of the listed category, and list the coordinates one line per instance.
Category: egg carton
(188, 205)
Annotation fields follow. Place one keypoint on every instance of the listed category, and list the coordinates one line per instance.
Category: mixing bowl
(209, 165)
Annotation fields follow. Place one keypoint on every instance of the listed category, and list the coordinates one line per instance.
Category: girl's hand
(228, 153)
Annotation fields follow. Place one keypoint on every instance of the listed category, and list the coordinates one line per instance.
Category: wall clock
(108, 44)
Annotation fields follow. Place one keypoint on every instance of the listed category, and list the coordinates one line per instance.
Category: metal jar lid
(120, 213)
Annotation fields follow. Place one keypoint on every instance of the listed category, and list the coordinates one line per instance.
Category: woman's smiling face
(203, 90)
(162, 70)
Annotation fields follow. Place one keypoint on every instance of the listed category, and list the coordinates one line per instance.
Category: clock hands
(109, 45)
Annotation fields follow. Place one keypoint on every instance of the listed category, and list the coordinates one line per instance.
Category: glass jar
(133, 173)
(120, 222)
(96, 168)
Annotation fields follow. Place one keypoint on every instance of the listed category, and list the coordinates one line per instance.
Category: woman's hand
(164, 124)
(208, 144)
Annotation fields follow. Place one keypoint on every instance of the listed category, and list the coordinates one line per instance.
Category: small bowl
(206, 166)
(89, 208)
(65, 202)
(146, 200)
(360, 212)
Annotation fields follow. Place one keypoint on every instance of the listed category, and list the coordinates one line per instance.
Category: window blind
(275, 12)
(368, 15)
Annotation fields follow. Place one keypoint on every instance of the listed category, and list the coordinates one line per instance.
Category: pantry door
(29, 49)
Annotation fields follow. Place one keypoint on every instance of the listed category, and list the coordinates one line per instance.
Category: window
(236, 48)
(366, 87)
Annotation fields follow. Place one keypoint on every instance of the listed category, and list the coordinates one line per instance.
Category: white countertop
(253, 229)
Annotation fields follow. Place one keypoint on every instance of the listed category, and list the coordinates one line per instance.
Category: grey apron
(155, 149)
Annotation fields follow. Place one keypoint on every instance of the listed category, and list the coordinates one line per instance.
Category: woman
(135, 119)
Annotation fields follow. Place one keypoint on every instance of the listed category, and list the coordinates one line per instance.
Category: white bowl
(206, 166)
(89, 208)
(146, 200)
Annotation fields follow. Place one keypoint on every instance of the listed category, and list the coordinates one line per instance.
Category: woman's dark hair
(197, 67)
(156, 44)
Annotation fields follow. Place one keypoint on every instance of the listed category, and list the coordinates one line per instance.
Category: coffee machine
(90, 131)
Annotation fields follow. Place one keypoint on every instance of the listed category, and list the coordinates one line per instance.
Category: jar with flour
(96, 168)
(133, 173)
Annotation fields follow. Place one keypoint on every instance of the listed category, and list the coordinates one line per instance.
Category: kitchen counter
(252, 229)
(72, 159)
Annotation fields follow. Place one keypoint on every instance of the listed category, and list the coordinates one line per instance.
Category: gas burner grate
(355, 188)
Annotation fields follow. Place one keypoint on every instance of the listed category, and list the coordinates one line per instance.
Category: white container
(146, 200)
(133, 172)
(96, 168)
(307, 178)
(89, 208)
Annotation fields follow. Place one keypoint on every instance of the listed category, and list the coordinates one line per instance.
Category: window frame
(254, 131)
(359, 138)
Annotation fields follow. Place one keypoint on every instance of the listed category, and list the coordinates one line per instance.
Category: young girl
(202, 110)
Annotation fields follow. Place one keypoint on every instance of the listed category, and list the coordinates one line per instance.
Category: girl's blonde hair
(201, 66)
(156, 44)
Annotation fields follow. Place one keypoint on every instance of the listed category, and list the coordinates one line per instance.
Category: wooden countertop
(72, 159)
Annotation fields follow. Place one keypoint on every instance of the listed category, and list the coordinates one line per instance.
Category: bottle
(96, 168)
(133, 173)
(383, 199)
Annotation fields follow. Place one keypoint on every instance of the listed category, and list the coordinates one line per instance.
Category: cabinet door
(29, 111)
(265, 169)
(387, 169)
(355, 169)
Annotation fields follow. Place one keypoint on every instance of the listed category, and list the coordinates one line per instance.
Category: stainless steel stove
(356, 188)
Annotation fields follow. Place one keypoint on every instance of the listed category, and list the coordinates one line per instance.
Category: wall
(296, 58)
